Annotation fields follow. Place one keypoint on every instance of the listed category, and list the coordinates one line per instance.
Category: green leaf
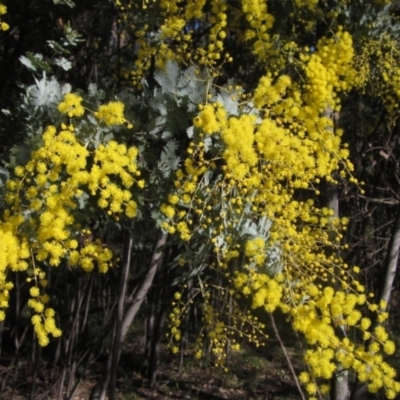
(168, 78)
(4, 176)
(68, 3)
(230, 105)
(158, 103)
(92, 89)
(45, 91)
(82, 200)
(27, 62)
(35, 62)
(72, 37)
(57, 47)
(21, 153)
(207, 143)
(274, 264)
(169, 160)
(66, 88)
(63, 63)
(257, 229)
(190, 132)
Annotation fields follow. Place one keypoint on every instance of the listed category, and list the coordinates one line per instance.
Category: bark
(117, 345)
(340, 380)
(154, 359)
(391, 261)
(340, 384)
(151, 321)
(164, 295)
(145, 285)
(123, 322)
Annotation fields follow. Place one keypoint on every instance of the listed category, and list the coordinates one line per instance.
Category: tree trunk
(340, 381)
(164, 291)
(391, 261)
(123, 322)
(117, 345)
(152, 300)
(141, 291)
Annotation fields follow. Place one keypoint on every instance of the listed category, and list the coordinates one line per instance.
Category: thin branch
(389, 201)
(286, 356)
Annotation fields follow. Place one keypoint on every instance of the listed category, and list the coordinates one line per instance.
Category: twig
(286, 356)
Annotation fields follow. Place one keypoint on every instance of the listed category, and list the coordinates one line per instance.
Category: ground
(252, 374)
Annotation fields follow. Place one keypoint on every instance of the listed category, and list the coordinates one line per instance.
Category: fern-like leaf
(169, 161)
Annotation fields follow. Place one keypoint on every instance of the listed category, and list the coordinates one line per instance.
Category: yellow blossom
(71, 105)
(111, 113)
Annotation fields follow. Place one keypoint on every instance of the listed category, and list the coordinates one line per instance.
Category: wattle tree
(212, 144)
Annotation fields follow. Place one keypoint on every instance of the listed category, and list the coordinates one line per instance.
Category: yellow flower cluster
(179, 22)
(43, 321)
(177, 212)
(211, 119)
(60, 174)
(13, 255)
(269, 94)
(3, 25)
(310, 4)
(217, 33)
(172, 26)
(316, 318)
(4, 296)
(111, 113)
(44, 325)
(255, 250)
(240, 155)
(329, 70)
(257, 157)
(296, 134)
(218, 334)
(175, 322)
(71, 105)
(115, 160)
(265, 292)
(256, 163)
(63, 159)
(379, 72)
(369, 365)
(256, 14)
(262, 174)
